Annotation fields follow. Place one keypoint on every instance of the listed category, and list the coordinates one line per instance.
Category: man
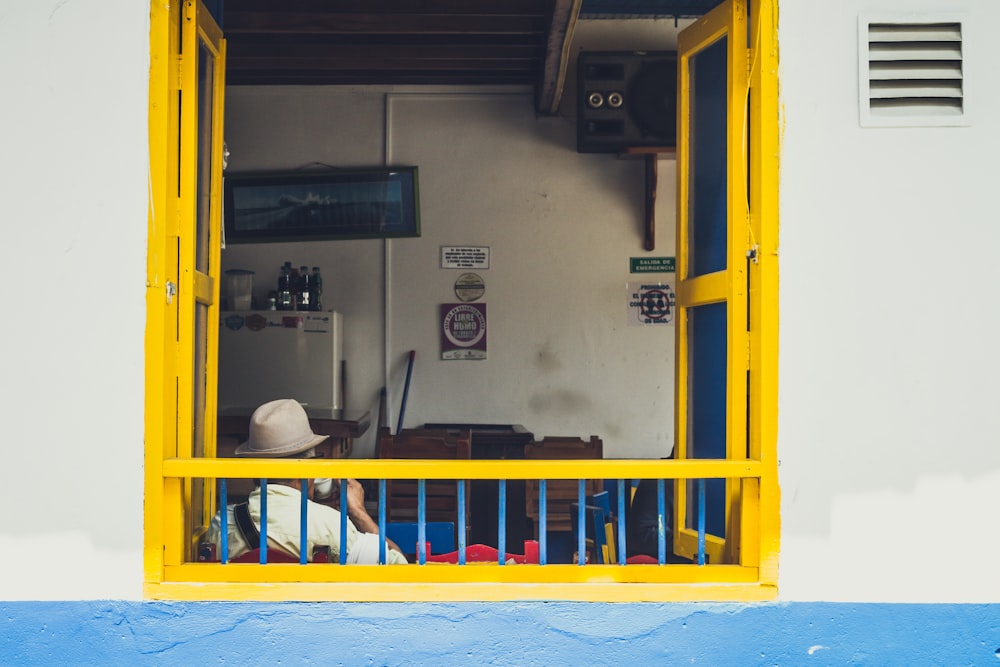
(280, 429)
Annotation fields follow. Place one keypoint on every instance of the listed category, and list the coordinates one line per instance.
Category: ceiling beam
(557, 51)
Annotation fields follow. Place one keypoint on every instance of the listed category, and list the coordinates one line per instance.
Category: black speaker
(625, 99)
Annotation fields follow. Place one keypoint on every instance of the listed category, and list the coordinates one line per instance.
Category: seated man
(280, 429)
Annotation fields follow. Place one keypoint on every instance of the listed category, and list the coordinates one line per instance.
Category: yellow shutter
(712, 232)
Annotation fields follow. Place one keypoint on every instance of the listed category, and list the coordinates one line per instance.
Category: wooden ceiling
(423, 42)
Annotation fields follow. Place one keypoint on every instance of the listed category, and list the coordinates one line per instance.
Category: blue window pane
(706, 419)
(707, 215)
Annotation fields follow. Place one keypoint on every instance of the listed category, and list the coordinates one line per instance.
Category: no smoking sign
(651, 303)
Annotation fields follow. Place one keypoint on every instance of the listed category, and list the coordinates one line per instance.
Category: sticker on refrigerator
(463, 331)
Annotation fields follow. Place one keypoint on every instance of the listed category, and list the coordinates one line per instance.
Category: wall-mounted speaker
(626, 99)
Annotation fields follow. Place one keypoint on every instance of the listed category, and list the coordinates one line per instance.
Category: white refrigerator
(265, 355)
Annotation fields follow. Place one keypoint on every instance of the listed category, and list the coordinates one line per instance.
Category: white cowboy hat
(278, 429)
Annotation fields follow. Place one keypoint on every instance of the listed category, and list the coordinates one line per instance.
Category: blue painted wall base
(517, 633)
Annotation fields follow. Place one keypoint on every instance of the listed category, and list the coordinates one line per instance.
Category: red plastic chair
(483, 553)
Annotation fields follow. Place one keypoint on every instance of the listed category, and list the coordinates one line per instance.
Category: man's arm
(359, 515)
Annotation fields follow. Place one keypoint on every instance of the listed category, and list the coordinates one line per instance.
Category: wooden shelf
(661, 152)
(650, 154)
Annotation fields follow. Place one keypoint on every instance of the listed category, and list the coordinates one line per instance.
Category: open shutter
(712, 242)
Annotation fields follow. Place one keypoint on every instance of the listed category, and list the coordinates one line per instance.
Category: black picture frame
(366, 203)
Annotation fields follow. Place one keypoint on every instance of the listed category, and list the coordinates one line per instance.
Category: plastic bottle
(285, 301)
(303, 289)
(293, 285)
(316, 288)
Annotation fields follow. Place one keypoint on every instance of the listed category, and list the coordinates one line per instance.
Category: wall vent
(912, 72)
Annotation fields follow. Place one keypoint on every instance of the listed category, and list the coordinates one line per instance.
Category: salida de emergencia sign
(463, 331)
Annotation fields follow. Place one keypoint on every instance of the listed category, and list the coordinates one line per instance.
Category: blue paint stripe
(127, 632)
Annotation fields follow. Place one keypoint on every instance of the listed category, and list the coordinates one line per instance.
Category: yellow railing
(184, 578)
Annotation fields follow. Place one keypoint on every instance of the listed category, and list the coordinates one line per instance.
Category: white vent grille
(912, 73)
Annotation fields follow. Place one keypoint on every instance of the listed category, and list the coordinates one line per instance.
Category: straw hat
(279, 428)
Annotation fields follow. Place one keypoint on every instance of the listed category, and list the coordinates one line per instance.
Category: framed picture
(338, 204)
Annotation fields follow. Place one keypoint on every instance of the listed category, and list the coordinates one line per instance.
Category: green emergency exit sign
(653, 265)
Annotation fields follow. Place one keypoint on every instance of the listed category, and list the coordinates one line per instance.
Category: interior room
(560, 227)
(571, 237)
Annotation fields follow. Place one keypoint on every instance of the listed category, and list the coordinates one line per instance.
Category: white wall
(73, 165)
(888, 426)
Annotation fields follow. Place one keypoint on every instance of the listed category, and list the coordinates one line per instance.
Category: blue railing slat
(343, 522)
(543, 538)
(461, 522)
(224, 537)
(381, 522)
(701, 522)
(422, 521)
(581, 523)
(303, 537)
(502, 521)
(621, 522)
(263, 522)
(661, 528)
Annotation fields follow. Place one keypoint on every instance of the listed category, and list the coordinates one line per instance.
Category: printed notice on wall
(465, 257)
(651, 302)
(463, 331)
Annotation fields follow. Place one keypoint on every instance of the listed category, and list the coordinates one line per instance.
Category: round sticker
(465, 326)
(469, 287)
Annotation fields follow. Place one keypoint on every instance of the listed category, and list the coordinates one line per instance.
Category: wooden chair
(599, 523)
(560, 494)
(441, 495)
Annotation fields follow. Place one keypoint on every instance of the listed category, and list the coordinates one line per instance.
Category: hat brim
(295, 448)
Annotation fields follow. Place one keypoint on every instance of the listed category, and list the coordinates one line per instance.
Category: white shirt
(283, 522)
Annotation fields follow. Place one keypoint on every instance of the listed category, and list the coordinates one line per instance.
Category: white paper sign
(465, 257)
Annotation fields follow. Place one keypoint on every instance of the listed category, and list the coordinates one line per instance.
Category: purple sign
(463, 331)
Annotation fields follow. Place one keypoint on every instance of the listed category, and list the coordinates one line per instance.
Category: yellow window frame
(173, 287)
